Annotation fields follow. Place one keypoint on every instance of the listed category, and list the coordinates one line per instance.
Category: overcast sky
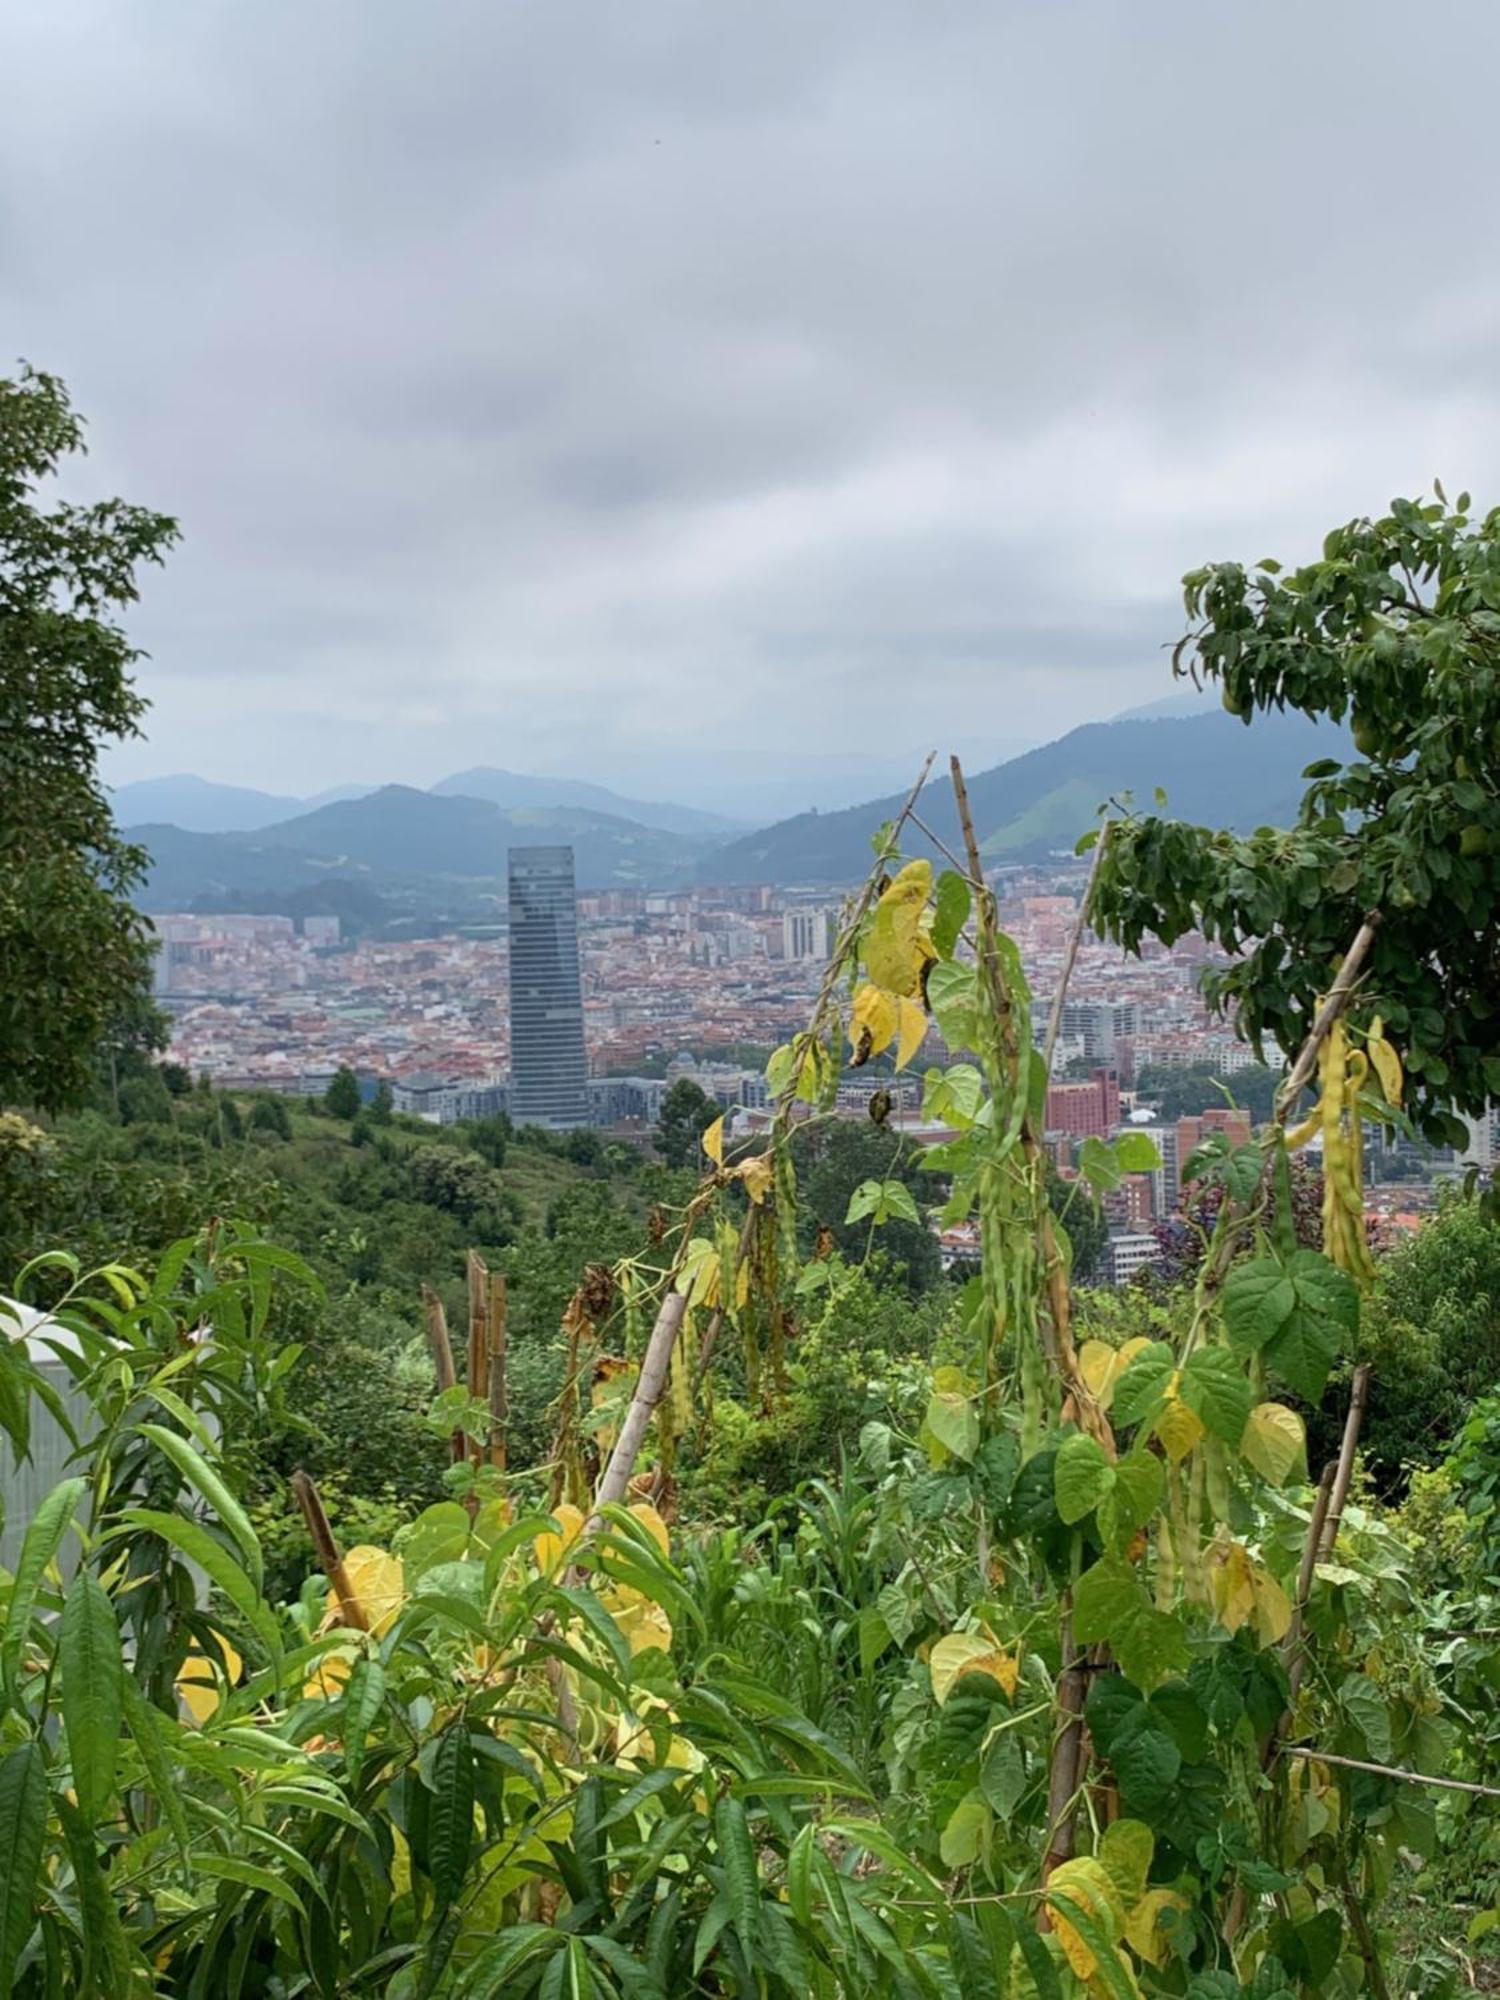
(728, 399)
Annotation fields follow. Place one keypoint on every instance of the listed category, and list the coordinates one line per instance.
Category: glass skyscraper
(548, 1068)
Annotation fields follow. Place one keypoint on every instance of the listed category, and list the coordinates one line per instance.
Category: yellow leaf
(874, 1014)
(551, 1548)
(1231, 1584)
(1084, 1881)
(378, 1582)
(652, 1522)
(1274, 1441)
(701, 1270)
(913, 1031)
(895, 947)
(330, 1676)
(1387, 1062)
(970, 1653)
(713, 1141)
(1101, 1366)
(1244, 1590)
(198, 1682)
(756, 1175)
(1273, 1608)
(1126, 1850)
(643, 1622)
(1143, 1926)
(1179, 1428)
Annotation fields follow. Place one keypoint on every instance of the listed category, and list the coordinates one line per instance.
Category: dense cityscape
(637, 990)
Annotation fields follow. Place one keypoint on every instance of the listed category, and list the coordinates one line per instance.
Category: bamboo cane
(329, 1559)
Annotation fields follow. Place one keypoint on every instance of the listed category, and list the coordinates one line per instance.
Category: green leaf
(1259, 1298)
(196, 1469)
(966, 1836)
(741, 1876)
(1215, 1387)
(1135, 1495)
(955, 1095)
(1082, 1476)
(23, 1828)
(1137, 1153)
(952, 903)
(1367, 1709)
(799, 1872)
(1002, 1775)
(450, 1813)
(954, 1422)
(106, 1967)
(881, 1200)
(1146, 1761)
(1330, 1294)
(1303, 1353)
(1143, 1384)
(1040, 1963)
(1100, 1166)
(93, 1697)
(364, 1696)
(194, 1541)
(250, 1875)
(42, 1540)
(1110, 1607)
(952, 994)
(1242, 1172)
(149, 1730)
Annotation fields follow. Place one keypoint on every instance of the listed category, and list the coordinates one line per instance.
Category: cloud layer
(730, 400)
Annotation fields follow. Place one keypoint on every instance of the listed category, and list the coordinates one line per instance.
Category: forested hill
(1212, 768)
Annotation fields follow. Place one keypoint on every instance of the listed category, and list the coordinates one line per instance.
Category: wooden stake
(442, 1362)
(499, 1385)
(479, 1349)
(329, 1560)
(1339, 995)
(1359, 1393)
(652, 1381)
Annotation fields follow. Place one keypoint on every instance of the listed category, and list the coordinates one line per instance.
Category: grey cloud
(594, 387)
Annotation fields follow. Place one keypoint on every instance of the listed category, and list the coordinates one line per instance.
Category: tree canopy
(1395, 628)
(74, 954)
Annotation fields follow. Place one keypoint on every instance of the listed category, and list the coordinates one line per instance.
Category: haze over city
(662, 395)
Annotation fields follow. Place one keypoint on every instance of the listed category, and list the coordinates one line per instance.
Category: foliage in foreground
(1071, 1684)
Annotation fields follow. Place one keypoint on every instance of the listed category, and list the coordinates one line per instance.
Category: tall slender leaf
(23, 1827)
(195, 1468)
(198, 1545)
(42, 1540)
(93, 1695)
(741, 1876)
(450, 1813)
(148, 1728)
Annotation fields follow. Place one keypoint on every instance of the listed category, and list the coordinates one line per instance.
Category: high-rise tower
(548, 1068)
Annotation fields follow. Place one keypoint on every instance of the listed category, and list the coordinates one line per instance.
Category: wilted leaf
(1274, 1441)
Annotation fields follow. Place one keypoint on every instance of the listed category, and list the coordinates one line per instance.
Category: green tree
(74, 955)
(269, 1114)
(1396, 628)
(341, 1099)
(687, 1111)
(836, 1157)
(1432, 1331)
(383, 1103)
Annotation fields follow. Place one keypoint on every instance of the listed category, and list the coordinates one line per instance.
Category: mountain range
(1213, 770)
(397, 853)
(199, 805)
